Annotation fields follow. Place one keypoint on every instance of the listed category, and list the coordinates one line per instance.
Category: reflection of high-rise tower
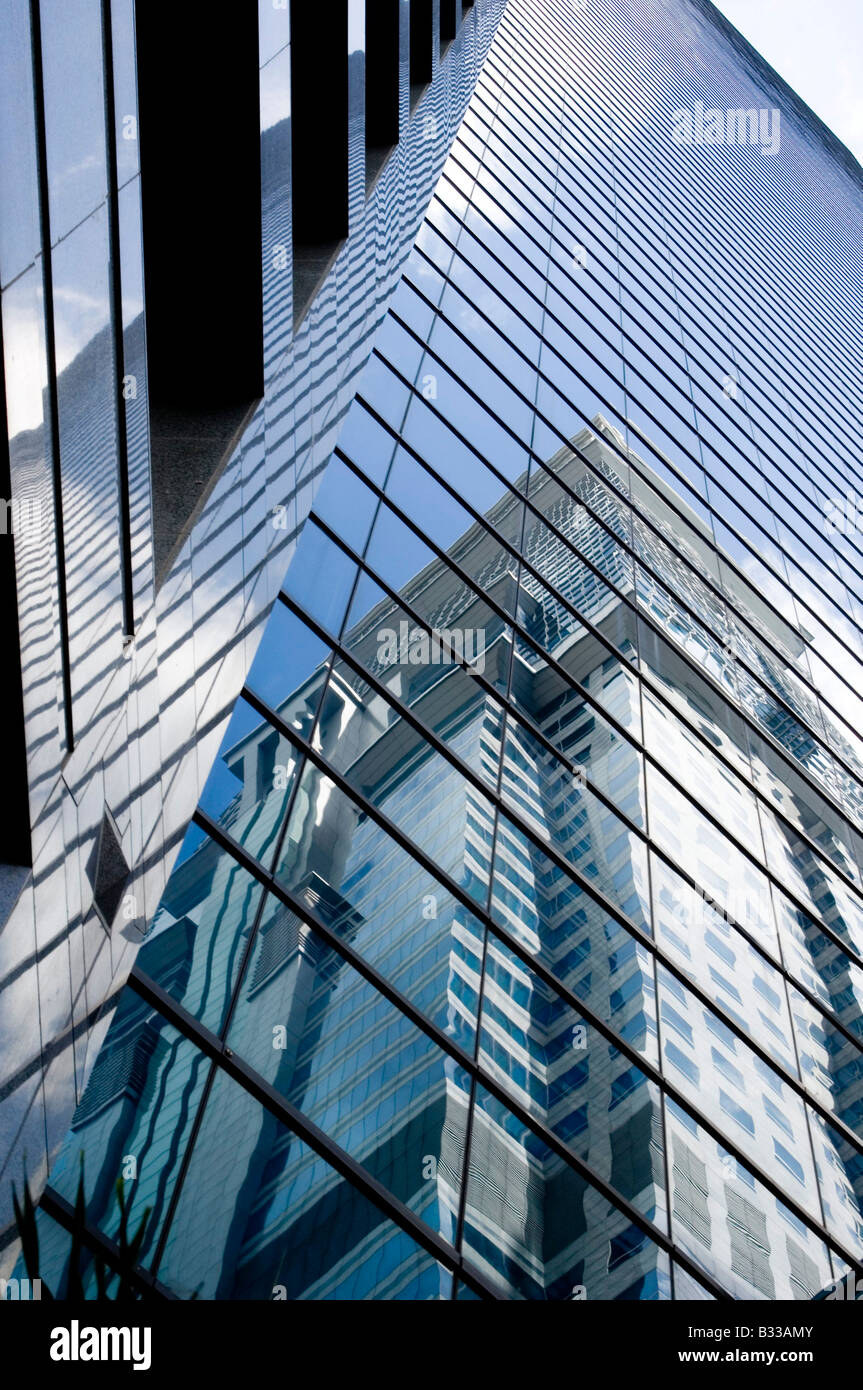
(515, 947)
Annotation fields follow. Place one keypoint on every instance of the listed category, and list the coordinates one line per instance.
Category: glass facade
(515, 949)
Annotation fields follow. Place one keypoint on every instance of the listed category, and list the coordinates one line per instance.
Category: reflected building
(514, 948)
(519, 689)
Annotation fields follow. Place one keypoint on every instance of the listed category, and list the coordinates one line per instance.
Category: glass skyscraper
(515, 948)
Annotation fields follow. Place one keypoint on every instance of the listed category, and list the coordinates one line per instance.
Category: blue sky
(817, 46)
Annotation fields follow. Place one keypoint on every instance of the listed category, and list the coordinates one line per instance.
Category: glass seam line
(597, 218)
(644, 1066)
(354, 314)
(631, 504)
(766, 872)
(491, 196)
(802, 772)
(640, 226)
(706, 330)
(275, 850)
(63, 1213)
(708, 581)
(618, 327)
(522, 720)
(689, 348)
(117, 339)
(259, 1089)
(236, 990)
(549, 382)
(635, 234)
(827, 931)
(673, 84)
(228, 1011)
(462, 1202)
(569, 765)
(491, 856)
(822, 483)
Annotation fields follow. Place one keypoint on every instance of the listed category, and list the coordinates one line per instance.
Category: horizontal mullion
(748, 545)
(823, 793)
(614, 37)
(101, 1245)
(634, 223)
(462, 1058)
(327, 1148)
(392, 830)
(524, 722)
(693, 351)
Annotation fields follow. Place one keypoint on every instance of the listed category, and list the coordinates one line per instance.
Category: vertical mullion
(114, 269)
(51, 355)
